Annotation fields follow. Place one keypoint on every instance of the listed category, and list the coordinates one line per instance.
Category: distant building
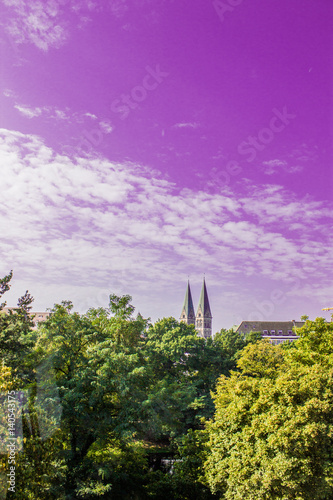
(203, 319)
(37, 317)
(188, 315)
(276, 331)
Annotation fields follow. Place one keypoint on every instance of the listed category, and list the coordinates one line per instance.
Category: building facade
(275, 331)
(37, 317)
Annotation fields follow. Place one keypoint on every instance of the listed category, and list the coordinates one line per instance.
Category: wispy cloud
(186, 125)
(90, 115)
(36, 22)
(118, 7)
(106, 126)
(53, 112)
(28, 111)
(44, 23)
(277, 166)
(294, 162)
(9, 93)
(50, 111)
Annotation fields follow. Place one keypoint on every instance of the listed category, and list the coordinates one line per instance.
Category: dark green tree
(16, 333)
(95, 362)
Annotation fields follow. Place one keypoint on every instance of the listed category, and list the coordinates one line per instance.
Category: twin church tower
(203, 319)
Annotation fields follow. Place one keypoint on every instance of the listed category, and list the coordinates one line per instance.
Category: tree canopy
(271, 435)
(111, 405)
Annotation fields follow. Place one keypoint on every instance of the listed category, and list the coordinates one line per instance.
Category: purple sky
(145, 141)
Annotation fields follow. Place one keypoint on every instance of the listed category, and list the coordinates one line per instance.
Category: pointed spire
(188, 313)
(204, 302)
(188, 302)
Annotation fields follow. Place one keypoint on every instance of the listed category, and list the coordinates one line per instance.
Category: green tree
(183, 369)
(5, 287)
(7, 383)
(188, 479)
(315, 345)
(228, 344)
(109, 396)
(95, 362)
(16, 335)
(271, 436)
(173, 401)
(262, 360)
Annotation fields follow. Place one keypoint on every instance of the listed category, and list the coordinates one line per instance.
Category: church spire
(188, 314)
(203, 323)
(204, 302)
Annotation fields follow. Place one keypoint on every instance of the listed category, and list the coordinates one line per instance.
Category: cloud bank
(91, 221)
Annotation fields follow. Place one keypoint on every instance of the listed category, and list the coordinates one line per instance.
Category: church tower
(203, 320)
(188, 315)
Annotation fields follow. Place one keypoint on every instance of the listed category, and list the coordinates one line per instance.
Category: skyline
(144, 141)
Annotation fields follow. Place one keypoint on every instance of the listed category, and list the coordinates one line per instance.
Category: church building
(203, 319)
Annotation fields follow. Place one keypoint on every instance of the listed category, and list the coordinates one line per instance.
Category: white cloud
(50, 111)
(36, 22)
(186, 125)
(42, 23)
(90, 115)
(275, 166)
(106, 126)
(59, 114)
(45, 23)
(8, 93)
(28, 111)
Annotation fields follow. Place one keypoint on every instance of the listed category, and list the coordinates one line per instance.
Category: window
(272, 332)
(290, 332)
(265, 332)
(280, 332)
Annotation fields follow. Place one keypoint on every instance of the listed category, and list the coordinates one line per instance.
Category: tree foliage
(271, 436)
(114, 406)
(16, 336)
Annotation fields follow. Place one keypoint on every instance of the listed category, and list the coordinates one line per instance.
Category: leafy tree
(315, 345)
(228, 345)
(5, 286)
(109, 396)
(182, 369)
(189, 481)
(261, 359)
(173, 400)
(7, 383)
(16, 336)
(121, 307)
(95, 362)
(117, 468)
(271, 436)
(63, 346)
